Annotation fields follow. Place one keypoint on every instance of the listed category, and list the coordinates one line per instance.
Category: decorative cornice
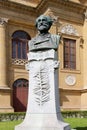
(85, 14)
(74, 90)
(17, 7)
(68, 5)
(32, 3)
(59, 7)
(64, 9)
(5, 89)
(18, 13)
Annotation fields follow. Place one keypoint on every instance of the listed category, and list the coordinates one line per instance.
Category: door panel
(20, 95)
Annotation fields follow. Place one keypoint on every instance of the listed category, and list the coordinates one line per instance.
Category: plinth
(43, 109)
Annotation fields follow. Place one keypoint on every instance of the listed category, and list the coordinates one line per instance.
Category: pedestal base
(43, 122)
(48, 128)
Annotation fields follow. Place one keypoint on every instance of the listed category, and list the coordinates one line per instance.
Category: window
(19, 45)
(69, 53)
(21, 83)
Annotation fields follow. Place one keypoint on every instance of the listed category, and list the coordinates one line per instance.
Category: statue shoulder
(32, 40)
(55, 38)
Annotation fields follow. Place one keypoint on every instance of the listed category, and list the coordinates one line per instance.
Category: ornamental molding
(42, 88)
(85, 14)
(58, 6)
(32, 3)
(19, 8)
(19, 62)
(65, 10)
(70, 80)
(67, 5)
(3, 21)
(69, 29)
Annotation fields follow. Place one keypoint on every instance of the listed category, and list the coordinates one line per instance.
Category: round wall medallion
(70, 80)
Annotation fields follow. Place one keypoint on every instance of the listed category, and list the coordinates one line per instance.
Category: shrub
(74, 114)
(12, 116)
(20, 115)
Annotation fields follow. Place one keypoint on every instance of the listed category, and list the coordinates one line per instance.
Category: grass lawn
(8, 125)
(77, 123)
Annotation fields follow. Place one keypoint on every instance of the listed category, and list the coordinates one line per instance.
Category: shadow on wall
(19, 106)
(63, 97)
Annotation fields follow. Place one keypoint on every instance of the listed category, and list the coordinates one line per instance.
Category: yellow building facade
(17, 27)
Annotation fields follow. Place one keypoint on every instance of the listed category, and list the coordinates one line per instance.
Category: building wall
(72, 83)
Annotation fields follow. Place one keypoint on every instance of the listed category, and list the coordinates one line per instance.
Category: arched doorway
(20, 95)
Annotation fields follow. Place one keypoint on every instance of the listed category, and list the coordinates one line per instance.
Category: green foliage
(12, 116)
(74, 114)
(20, 115)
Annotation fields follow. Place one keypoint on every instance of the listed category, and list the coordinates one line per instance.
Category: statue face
(43, 24)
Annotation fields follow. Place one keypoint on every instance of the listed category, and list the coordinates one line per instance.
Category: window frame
(19, 41)
(16, 48)
(70, 46)
(61, 54)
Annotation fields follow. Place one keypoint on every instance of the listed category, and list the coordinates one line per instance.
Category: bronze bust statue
(44, 40)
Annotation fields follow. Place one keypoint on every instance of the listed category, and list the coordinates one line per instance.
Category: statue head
(43, 23)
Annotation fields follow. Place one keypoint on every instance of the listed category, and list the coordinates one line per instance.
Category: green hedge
(12, 116)
(21, 115)
(74, 114)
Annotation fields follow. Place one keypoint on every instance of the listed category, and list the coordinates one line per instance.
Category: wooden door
(20, 95)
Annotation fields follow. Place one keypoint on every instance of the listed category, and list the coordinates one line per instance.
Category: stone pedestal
(43, 110)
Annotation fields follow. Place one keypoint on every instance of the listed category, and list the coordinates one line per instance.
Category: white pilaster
(3, 72)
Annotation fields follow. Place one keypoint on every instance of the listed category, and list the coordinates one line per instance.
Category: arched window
(19, 44)
(21, 83)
